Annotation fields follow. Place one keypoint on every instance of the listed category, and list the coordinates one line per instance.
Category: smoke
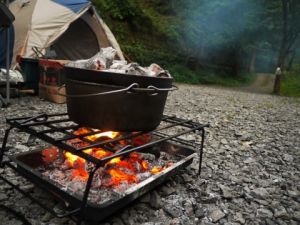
(215, 27)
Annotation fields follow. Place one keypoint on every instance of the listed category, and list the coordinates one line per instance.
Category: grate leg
(201, 151)
(86, 195)
(3, 148)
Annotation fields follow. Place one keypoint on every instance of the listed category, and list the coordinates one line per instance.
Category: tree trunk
(253, 61)
(277, 83)
(283, 46)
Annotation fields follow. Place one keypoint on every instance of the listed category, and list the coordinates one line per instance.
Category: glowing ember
(118, 176)
(119, 169)
(73, 160)
(94, 137)
(156, 170)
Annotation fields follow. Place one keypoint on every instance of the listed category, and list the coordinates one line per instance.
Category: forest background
(211, 41)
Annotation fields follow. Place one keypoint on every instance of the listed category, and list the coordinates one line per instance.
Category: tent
(71, 28)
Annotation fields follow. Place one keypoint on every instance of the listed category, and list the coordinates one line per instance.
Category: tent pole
(7, 63)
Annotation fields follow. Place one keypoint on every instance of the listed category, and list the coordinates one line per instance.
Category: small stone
(296, 216)
(226, 191)
(288, 158)
(281, 213)
(224, 141)
(155, 200)
(3, 197)
(173, 210)
(175, 221)
(187, 178)
(165, 191)
(249, 161)
(209, 199)
(238, 133)
(293, 194)
(47, 217)
(189, 209)
(145, 198)
(239, 218)
(260, 193)
(216, 215)
(264, 213)
(200, 213)
(270, 222)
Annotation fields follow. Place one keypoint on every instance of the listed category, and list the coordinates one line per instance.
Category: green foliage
(290, 84)
(118, 9)
(185, 75)
(214, 33)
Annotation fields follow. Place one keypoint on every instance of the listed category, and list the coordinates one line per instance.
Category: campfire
(95, 173)
(70, 171)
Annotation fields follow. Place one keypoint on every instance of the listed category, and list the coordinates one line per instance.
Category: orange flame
(120, 169)
(156, 170)
(118, 176)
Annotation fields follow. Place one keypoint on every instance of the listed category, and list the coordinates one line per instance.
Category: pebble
(200, 213)
(155, 200)
(216, 215)
(264, 213)
(226, 191)
(296, 216)
(281, 213)
(260, 193)
(3, 197)
(165, 191)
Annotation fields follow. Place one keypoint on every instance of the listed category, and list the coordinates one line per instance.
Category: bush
(290, 84)
(184, 75)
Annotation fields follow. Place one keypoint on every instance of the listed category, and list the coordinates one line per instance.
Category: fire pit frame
(27, 124)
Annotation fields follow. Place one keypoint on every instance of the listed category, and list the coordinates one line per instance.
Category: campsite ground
(251, 164)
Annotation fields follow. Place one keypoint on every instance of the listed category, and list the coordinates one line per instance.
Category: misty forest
(211, 41)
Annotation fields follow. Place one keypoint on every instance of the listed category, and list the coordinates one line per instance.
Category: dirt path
(263, 84)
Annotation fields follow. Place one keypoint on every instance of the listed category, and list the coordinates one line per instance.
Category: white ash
(62, 176)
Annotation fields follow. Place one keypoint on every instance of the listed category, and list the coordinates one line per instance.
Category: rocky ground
(250, 172)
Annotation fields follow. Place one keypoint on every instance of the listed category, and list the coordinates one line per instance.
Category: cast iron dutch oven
(112, 101)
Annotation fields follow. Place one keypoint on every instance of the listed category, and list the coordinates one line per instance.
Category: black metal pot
(118, 108)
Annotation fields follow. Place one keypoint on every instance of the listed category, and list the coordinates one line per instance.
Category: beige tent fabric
(40, 23)
(96, 27)
(23, 17)
(48, 23)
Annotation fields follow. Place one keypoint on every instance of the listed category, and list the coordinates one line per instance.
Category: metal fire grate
(58, 129)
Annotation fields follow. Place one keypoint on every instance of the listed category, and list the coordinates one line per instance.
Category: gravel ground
(250, 172)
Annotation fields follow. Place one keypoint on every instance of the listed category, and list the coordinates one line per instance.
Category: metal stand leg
(2, 101)
(86, 195)
(201, 151)
(3, 148)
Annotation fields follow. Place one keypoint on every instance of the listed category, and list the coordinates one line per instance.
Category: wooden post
(277, 82)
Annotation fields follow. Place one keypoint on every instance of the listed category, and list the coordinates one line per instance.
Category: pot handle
(133, 88)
